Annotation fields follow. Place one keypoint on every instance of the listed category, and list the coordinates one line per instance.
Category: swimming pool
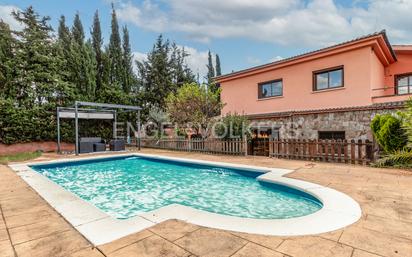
(126, 186)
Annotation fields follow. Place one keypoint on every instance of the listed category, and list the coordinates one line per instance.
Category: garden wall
(48, 146)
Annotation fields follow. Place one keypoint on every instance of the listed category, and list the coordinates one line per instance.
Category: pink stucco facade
(370, 66)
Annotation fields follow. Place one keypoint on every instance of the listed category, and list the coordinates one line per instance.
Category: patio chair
(87, 144)
(117, 145)
(99, 147)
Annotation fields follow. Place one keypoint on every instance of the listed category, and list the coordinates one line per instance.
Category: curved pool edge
(338, 211)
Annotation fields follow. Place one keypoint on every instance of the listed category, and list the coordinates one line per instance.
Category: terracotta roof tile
(380, 106)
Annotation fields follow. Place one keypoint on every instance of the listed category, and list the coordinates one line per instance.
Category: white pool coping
(338, 211)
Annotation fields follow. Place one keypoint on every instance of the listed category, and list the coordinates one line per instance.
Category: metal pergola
(97, 111)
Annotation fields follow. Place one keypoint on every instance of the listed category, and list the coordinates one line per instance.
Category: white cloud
(5, 15)
(253, 60)
(138, 56)
(196, 60)
(297, 22)
(276, 58)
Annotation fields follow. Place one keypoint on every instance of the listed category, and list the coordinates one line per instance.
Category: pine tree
(181, 73)
(218, 69)
(97, 43)
(155, 74)
(210, 69)
(77, 30)
(6, 61)
(115, 52)
(37, 79)
(128, 75)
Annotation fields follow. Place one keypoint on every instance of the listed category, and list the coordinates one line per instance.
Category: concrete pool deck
(30, 227)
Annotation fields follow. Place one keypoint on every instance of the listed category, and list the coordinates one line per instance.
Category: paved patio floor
(30, 227)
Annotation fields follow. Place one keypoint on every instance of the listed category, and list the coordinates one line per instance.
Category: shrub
(389, 133)
(399, 159)
(233, 125)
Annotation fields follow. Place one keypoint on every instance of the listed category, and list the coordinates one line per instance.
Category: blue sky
(244, 33)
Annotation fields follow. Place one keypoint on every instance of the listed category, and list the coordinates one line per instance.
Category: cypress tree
(82, 62)
(97, 43)
(218, 69)
(128, 75)
(115, 51)
(77, 30)
(210, 69)
(89, 64)
(63, 33)
(63, 54)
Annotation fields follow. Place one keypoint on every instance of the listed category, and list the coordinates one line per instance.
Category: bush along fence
(213, 146)
(343, 151)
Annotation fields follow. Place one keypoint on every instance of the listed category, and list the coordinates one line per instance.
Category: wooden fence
(355, 152)
(217, 146)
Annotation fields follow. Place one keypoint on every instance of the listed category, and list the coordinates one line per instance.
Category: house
(331, 93)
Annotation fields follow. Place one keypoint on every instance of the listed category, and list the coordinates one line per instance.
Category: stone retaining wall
(356, 124)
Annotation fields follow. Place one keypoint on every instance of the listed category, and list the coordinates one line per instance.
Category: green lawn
(18, 157)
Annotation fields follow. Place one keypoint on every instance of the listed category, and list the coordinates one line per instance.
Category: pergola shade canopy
(100, 111)
(86, 115)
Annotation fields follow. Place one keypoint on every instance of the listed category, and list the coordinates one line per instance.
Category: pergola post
(115, 124)
(138, 130)
(58, 130)
(76, 124)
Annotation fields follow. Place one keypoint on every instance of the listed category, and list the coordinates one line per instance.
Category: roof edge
(307, 54)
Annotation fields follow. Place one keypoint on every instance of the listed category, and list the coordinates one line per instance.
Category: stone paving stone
(360, 253)
(88, 252)
(251, 249)
(56, 245)
(3, 234)
(405, 213)
(267, 241)
(10, 185)
(334, 235)
(376, 242)
(24, 205)
(383, 210)
(388, 226)
(6, 250)
(2, 224)
(28, 218)
(211, 242)
(153, 246)
(37, 230)
(314, 247)
(125, 241)
(18, 193)
(173, 229)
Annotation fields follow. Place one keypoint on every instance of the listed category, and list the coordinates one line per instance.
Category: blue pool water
(124, 187)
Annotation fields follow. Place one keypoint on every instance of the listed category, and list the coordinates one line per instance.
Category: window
(404, 84)
(270, 89)
(330, 78)
(332, 135)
